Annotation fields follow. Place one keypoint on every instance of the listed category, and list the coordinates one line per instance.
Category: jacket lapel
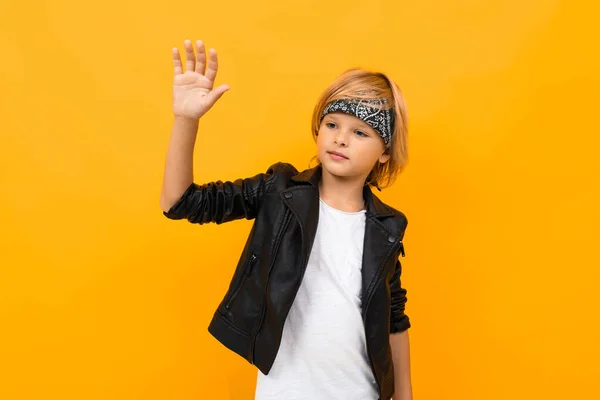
(303, 201)
(378, 244)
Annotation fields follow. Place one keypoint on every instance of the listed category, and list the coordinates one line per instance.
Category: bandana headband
(370, 111)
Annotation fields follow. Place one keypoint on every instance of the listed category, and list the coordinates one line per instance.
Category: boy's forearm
(178, 173)
(400, 345)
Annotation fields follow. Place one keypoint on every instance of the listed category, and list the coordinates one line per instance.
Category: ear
(383, 158)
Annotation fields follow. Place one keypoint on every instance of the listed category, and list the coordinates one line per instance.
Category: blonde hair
(363, 84)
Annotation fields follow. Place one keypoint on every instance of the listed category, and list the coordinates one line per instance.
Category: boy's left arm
(401, 359)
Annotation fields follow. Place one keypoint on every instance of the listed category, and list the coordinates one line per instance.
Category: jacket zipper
(286, 221)
(244, 277)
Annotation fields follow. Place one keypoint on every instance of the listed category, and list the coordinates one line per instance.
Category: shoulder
(398, 221)
(282, 171)
(399, 215)
(282, 168)
(280, 174)
(401, 220)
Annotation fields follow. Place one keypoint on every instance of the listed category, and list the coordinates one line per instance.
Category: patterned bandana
(369, 111)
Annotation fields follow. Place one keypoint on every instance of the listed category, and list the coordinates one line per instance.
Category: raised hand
(193, 92)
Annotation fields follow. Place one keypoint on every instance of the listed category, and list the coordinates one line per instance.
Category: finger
(216, 94)
(213, 65)
(189, 55)
(200, 57)
(177, 61)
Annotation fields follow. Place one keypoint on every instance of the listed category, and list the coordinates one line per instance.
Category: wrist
(185, 126)
(185, 120)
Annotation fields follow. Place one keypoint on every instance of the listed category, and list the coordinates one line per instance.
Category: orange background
(101, 297)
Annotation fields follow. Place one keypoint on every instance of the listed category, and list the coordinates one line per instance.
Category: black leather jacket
(285, 205)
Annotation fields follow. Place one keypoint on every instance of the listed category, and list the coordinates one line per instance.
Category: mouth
(336, 155)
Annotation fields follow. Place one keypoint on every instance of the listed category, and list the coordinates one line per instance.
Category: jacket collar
(375, 206)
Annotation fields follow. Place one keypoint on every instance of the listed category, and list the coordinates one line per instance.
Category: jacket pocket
(245, 276)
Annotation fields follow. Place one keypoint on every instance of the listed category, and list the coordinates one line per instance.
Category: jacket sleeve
(399, 321)
(220, 202)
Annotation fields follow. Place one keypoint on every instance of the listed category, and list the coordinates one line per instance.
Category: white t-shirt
(323, 354)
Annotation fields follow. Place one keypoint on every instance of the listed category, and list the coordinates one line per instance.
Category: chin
(336, 169)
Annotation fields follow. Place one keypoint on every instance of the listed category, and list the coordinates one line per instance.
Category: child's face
(355, 139)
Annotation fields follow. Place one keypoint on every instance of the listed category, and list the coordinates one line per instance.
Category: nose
(341, 137)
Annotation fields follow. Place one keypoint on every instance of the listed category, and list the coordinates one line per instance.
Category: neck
(343, 193)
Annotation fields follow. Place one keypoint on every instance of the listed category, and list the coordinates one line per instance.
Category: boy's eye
(329, 124)
(361, 133)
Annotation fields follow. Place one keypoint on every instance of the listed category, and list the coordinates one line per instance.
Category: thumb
(216, 93)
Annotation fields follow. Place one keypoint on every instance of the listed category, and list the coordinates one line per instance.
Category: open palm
(193, 92)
